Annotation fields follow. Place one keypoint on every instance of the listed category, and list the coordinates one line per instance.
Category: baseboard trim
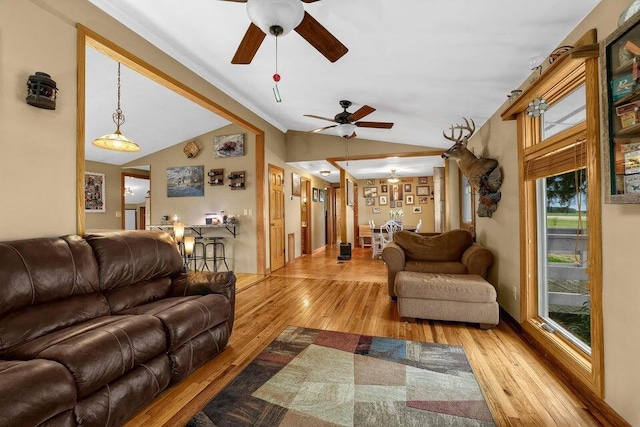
(597, 406)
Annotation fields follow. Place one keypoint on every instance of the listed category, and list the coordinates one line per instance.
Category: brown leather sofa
(93, 328)
(452, 252)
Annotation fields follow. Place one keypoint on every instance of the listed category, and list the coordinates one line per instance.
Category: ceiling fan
(278, 17)
(348, 122)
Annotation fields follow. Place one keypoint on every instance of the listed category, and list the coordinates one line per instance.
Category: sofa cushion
(187, 317)
(33, 391)
(100, 350)
(132, 256)
(448, 246)
(35, 321)
(33, 271)
(126, 297)
(120, 399)
(448, 267)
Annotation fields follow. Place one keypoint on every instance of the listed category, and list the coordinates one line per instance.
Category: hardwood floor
(320, 292)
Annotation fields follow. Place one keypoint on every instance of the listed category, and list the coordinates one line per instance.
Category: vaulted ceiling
(422, 64)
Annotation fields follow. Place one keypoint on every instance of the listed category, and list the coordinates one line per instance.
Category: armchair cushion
(448, 246)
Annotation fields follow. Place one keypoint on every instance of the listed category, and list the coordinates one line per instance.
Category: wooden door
(276, 217)
(338, 211)
(143, 218)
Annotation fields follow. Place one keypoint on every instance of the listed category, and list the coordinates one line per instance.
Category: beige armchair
(452, 252)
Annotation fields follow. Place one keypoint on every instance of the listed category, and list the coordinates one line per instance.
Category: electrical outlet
(514, 291)
(250, 212)
(245, 212)
(118, 214)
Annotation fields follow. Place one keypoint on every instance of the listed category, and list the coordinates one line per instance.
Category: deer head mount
(483, 174)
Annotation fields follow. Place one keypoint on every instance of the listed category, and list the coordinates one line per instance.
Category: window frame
(561, 78)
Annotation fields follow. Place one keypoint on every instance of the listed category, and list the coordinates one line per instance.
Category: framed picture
(407, 188)
(376, 210)
(351, 188)
(398, 204)
(321, 196)
(315, 194)
(417, 209)
(409, 199)
(396, 193)
(382, 200)
(422, 180)
(228, 146)
(370, 191)
(384, 189)
(185, 181)
(423, 200)
(94, 192)
(295, 184)
(371, 182)
(392, 205)
(423, 190)
(370, 201)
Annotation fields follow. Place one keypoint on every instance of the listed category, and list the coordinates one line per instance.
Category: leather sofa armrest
(223, 282)
(394, 257)
(204, 283)
(477, 259)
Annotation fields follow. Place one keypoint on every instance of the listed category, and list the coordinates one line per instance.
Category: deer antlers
(471, 128)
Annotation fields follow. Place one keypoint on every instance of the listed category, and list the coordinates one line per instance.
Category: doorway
(134, 190)
(276, 217)
(305, 217)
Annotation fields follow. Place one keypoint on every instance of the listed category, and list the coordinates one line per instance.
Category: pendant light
(117, 141)
(393, 179)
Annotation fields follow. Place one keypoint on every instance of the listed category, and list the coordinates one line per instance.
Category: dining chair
(376, 240)
(387, 230)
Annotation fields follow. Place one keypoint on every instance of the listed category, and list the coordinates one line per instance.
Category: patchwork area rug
(309, 377)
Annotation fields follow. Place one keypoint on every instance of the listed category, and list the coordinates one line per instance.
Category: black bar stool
(217, 253)
(191, 260)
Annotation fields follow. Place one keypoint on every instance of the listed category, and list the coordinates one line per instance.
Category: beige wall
(241, 250)
(303, 146)
(621, 290)
(38, 162)
(111, 219)
(365, 213)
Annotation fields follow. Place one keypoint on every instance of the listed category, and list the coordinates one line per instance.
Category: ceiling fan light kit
(275, 17)
(393, 179)
(345, 130)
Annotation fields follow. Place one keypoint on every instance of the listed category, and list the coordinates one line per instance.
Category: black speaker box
(345, 251)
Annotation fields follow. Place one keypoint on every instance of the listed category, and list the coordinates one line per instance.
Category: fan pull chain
(276, 77)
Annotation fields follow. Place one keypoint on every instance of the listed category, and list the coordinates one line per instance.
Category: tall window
(561, 272)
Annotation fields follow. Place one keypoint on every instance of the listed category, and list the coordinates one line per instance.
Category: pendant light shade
(116, 141)
(393, 179)
(275, 17)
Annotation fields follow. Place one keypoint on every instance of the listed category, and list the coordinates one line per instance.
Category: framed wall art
(417, 209)
(295, 184)
(321, 196)
(94, 192)
(382, 200)
(377, 210)
(408, 199)
(185, 181)
(369, 201)
(407, 188)
(228, 146)
(423, 180)
(370, 192)
(423, 200)
(351, 188)
(384, 189)
(314, 197)
(423, 190)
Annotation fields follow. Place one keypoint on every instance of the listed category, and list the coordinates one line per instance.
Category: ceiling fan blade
(319, 117)
(249, 45)
(378, 125)
(365, 110)
(307, 1)
(321, 129)
(235, 1)
(320, 38)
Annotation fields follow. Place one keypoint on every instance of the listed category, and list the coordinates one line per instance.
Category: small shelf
(630, 131)
(216, 177)
(237, 180)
